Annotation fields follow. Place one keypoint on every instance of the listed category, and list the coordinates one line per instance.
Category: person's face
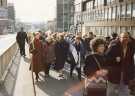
(124, 38)
(78, 41)
(37, 36)
(101, 48)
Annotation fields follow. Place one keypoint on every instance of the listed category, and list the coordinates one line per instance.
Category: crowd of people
(112, 57)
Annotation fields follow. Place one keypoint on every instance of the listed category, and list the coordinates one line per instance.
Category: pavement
(47, 86)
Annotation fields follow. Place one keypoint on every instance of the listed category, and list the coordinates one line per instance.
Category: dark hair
(95, 43)
(114, 35)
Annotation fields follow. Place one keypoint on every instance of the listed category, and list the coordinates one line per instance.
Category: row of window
(91, 4)
(107, 31)
(126, 11)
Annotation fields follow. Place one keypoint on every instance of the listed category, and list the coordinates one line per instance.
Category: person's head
(77, 39)
(37, 35)
(124, 37)
(114, 35)
(97, 45)
(40, 31)
(91, 35)
(49, 39)
(60, 37)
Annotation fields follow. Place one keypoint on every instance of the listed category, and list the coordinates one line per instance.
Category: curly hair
(94, 43)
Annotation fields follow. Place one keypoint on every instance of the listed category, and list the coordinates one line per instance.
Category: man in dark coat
(20, 38)
(121, 65)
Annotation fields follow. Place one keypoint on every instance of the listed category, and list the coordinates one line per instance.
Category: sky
(34, 10)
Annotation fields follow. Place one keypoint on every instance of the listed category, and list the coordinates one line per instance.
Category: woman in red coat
(37, 64)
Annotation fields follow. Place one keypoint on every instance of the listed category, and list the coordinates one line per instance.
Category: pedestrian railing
(6, 57)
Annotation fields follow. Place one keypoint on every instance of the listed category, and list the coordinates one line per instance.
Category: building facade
(51, 25)
(104, 17)
(3, 17)
(65, 15)
(11, 18)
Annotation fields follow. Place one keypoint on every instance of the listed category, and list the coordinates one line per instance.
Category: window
(110, 13)
(118, 12)
(100, 15)
(91, 4)
(108, 1)
(113, 12)
(78, 8)
(123, 11)
(96, 15)
(109, 31)
(113, 30)
(106, 31)
(100, 2)
(128, 29)
(106, 14)
(101, 31)
(128, 14)
(66, 6)
(133, 32)
(133, 10)
(96, 3)
(103, 14)
(122, 29)
(117, 30)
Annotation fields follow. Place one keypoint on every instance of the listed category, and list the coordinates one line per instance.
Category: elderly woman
(91, 66)
(50, 54)
(37, 64)
(94, 66)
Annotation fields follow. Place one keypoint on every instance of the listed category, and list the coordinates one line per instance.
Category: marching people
(121, 65)
(61, 51)
(87, 39)
(92, 71)
(49, 54)
(37, 56)
(98, 49)
(114, 36)
(21, 38)
(79, 46)
(95, 69)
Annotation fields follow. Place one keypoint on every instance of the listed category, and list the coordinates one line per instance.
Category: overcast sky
(35, 10)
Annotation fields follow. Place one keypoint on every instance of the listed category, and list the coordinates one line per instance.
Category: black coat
(91, 65)
(21, 37)
(126, 65)
(61, 51)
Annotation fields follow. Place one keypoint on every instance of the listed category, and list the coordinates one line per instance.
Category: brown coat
(50, 53)
(126, 65)
(37, 58)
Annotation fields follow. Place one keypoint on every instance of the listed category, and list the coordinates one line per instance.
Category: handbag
(96, 85)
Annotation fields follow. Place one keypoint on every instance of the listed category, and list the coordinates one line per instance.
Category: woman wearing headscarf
(37, 60)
